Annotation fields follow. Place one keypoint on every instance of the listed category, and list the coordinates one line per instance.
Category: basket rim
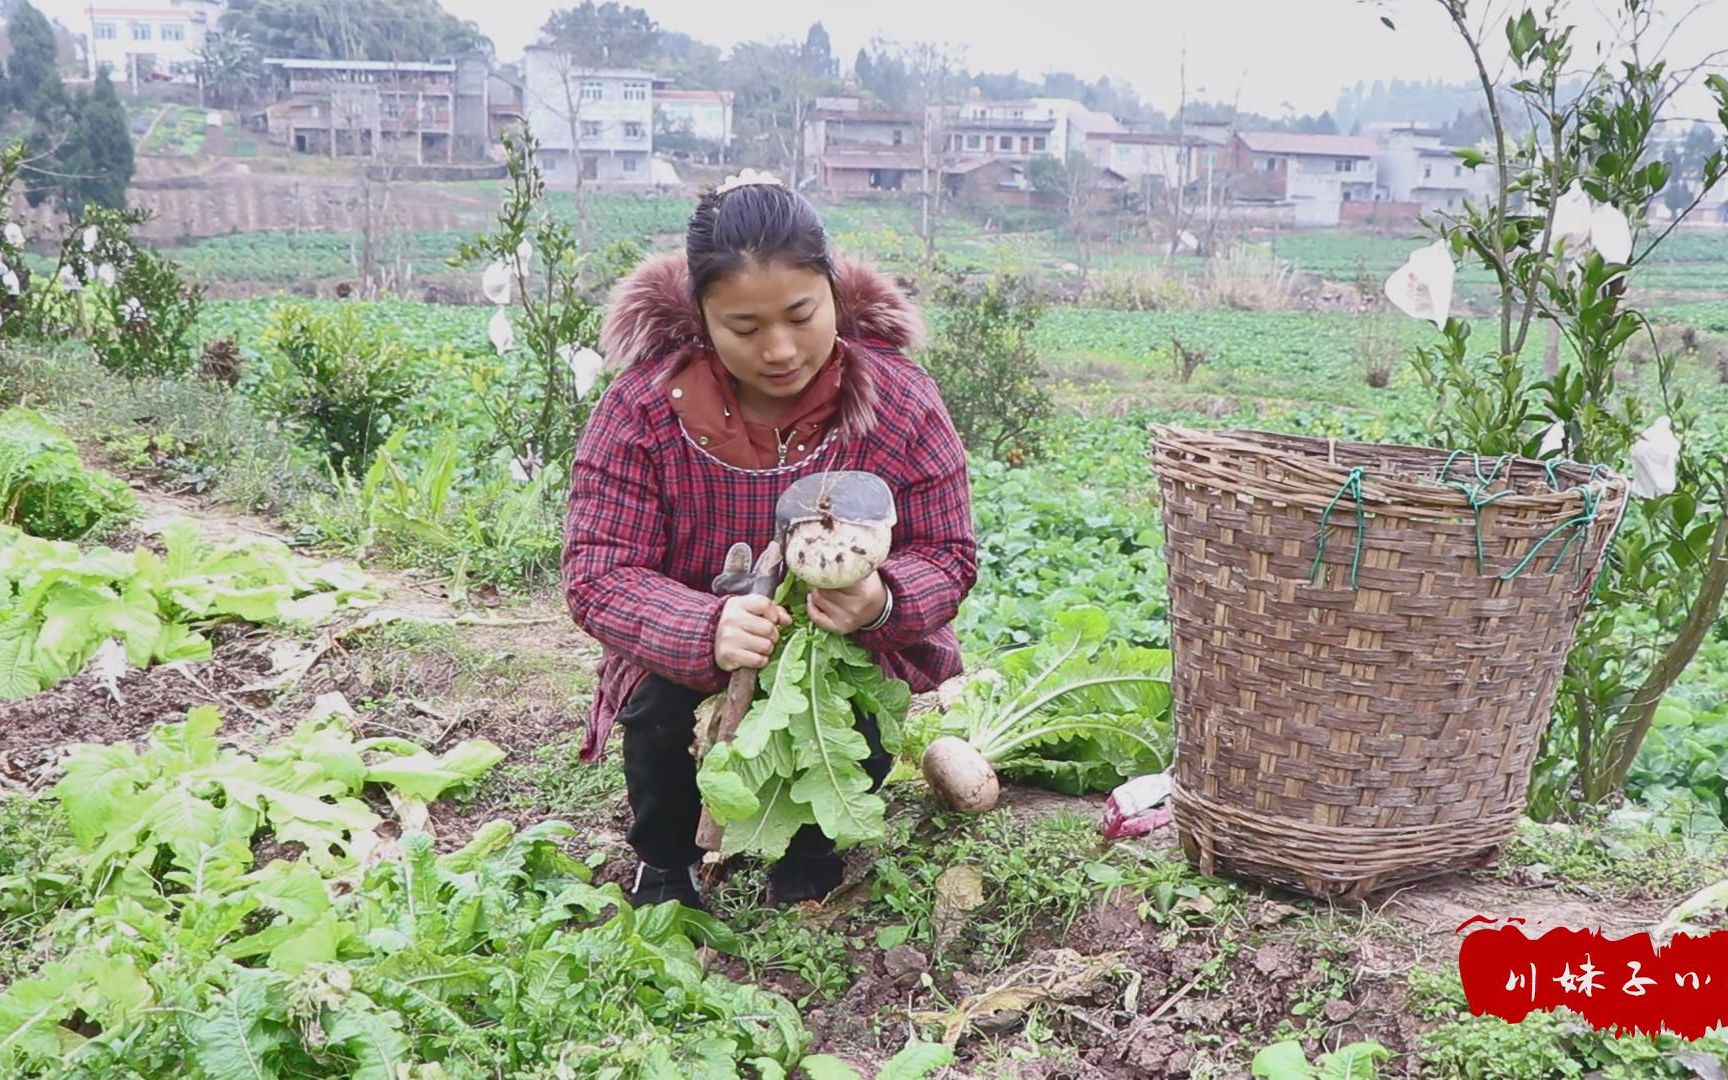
(1313, 479)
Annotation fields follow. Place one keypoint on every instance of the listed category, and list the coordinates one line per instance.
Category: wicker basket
(1368, 640)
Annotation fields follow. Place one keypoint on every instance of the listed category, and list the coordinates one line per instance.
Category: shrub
(150, 314)
(338, 383)
(46, 490)
(538, 400)
(1150, 291)
(985, 363)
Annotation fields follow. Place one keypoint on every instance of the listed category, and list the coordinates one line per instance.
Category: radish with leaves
(796, 756)
(1073, 713)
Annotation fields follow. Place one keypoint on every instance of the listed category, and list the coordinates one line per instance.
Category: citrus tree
(1568, 220)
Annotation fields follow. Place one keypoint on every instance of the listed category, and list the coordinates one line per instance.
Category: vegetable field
(292, 701)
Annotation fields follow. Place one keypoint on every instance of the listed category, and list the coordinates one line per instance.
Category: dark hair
(755, 223)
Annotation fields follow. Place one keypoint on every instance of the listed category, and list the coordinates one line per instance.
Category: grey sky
(1298, 52)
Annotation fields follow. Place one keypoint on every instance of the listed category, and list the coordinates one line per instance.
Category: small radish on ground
(1075, 713)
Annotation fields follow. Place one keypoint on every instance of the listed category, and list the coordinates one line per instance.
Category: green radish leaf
(796, 758)
(724, 791)
(916, 1061)
(1357, 1061)
(232, 1041)
(828, 1067)
(426, 776)
(767, 832)
(1283, 1061)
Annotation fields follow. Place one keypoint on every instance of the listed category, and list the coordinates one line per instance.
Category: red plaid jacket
(652, 515)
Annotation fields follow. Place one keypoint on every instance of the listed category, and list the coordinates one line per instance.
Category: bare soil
(1184, 1000)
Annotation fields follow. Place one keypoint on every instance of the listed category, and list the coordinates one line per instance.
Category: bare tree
(585, 40)
(935, 67)
(569, 68)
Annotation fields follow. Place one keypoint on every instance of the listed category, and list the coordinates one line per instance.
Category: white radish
(837, 527)
(835, 554)
(960, 775)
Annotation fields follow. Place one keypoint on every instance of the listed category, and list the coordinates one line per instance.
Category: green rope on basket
(1351, 486)
(1579, 527)
(1473, 493)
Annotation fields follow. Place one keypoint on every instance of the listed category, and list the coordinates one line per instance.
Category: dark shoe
(656, 886)
(797, 878)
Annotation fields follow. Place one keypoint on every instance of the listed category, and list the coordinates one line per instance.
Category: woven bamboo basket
(1367, 643)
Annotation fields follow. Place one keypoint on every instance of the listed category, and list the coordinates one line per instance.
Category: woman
(753, 358)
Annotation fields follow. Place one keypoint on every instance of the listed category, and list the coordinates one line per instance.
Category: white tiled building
(612, 111)
(160, 37)
(1416, 166)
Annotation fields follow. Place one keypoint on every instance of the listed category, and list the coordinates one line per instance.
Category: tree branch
(1634, 723)
(1455, 9)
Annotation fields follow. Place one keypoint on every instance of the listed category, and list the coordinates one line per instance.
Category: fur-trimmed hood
(652, 313)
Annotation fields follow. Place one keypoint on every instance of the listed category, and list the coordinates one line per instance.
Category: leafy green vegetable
(44, 487)
(58, 604)
(797, 756)
(1285, 1061)
(174, 955)
(202, 804)
(915, 1061)
(1075, 713)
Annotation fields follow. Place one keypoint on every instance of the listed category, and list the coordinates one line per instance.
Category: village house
(703, 118)
(1315, 175)
(1416, 167)
(1012, 131)
(162, 39)
(1164, 158)
(986, 146)
(852, 150)
(417, 112)
(504, 110)
(1078, 129)
(604, 117)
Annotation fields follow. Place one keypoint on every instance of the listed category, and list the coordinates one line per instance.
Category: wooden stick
(740, 689)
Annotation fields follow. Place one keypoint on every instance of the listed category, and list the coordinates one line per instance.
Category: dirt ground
(1148, 1001)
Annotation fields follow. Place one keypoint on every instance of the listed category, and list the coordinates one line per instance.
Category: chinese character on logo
(1585, 980)
(1515, 981)
(1636, 984)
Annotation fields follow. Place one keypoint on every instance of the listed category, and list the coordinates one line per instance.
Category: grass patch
(434, 660)
(556, 777)
(32, 833)
(1606, 857)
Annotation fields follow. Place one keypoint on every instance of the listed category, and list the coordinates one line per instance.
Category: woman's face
(773, 327)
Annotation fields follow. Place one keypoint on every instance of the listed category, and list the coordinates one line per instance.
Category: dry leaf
(1272, 913)
(326, 706)
(414, 814)
(1060, 975)
(959, 890)
(843, 900)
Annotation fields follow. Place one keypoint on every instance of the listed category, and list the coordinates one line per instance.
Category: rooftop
(1290, 142)
(866, 116)
(293, 64)
(1151, 138)
(693, 95)
(593, 73)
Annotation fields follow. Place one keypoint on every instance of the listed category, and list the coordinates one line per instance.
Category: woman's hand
(749, 628)
(841, 611)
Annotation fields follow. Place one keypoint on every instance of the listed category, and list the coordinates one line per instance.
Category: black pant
(659, 725)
